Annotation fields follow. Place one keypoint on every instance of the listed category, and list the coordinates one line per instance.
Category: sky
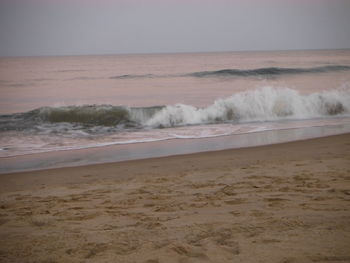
(80, 27)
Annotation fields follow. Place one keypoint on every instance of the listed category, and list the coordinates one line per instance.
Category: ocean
(65, 103)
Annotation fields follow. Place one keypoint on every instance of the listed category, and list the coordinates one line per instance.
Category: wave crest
(259, 72)
(265, 104)
(106, 115)
(271, 71)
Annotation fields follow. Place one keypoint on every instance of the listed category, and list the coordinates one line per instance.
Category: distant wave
(265, 104)
(71, 70)
(270, 71)
(131, 76)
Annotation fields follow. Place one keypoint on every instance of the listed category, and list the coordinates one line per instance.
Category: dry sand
(280, 203)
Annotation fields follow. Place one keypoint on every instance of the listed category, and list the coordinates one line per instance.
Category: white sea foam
(48, 129)
(265, 104)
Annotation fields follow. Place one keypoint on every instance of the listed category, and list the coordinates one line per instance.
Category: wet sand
(280, 203)
(156, 149)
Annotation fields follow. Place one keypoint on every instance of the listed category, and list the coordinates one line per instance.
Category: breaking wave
(265, 104)
(267, 72)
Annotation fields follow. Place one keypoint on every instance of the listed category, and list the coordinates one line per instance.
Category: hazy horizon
(106, 27)
(170, 53)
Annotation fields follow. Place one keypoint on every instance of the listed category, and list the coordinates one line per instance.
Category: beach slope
(279, 203)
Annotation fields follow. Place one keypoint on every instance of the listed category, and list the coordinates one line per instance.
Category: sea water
(50, 104)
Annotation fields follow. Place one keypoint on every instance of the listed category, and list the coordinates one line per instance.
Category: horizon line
(172, 52)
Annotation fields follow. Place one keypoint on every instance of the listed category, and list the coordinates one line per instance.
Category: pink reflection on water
(31, 82)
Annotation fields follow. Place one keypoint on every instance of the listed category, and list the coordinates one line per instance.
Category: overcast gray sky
(75, 27)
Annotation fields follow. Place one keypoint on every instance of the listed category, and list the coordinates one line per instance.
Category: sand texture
(280, 203)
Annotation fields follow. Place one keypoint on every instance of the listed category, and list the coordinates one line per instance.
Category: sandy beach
(279, 203)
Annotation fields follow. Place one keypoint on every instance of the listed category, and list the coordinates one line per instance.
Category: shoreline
(129, 167)
(171, 147)
(276, 203)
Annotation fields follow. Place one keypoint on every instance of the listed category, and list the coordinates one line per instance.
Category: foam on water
(265, 104)
(75, 127)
